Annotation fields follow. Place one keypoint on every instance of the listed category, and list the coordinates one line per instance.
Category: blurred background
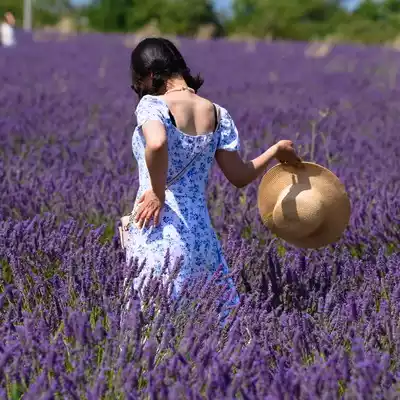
(359, 21)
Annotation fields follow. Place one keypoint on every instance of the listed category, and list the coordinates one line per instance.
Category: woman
(177, 137)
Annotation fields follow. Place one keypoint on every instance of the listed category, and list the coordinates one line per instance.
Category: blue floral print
(185, 226)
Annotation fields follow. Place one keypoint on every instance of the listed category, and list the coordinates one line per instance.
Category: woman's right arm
(241, 173)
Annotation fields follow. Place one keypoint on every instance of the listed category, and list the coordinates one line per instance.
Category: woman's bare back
(193, 115)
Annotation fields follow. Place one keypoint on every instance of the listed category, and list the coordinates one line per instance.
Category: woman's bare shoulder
(204, 103)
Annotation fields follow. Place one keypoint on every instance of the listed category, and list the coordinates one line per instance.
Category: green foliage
(365, 31)
(6, 272)
(182, 17)
(16, 7)
(109, 15)
(45, 12)
(369, 11)
(15, 391)
(372, 22)
(302, 19)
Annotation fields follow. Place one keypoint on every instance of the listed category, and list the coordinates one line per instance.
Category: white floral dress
(185, 227)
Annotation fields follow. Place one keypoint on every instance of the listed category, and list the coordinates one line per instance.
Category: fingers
(293, 160)
(142, 222)
(156, 217)
(146, 216)
(145, 222)
(139, 213)
(138, 209)
(147, 207)
(287, 153)
(143, 215)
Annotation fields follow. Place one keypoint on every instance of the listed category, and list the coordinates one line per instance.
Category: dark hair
(160, 58)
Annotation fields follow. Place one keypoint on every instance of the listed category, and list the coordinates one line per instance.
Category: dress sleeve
(229, 136)
(149, 109)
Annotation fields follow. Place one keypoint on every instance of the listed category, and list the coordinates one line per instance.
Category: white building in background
(7, 33)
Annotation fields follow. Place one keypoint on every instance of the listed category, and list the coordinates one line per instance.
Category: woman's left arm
(156, 156)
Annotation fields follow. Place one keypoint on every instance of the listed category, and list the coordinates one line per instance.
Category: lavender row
(66, 122)
(311, 324)
(308, 329)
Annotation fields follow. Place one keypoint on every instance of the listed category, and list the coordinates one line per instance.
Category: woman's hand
(285, 153)
(150, 206)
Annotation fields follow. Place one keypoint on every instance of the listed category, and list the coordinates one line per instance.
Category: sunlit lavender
(311, 324)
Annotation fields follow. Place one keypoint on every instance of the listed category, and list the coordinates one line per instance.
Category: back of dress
(185, 226)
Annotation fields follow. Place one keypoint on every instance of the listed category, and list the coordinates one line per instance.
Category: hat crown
(305, 205)
(299, 210)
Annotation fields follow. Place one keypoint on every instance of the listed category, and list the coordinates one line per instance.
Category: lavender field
(321, 324)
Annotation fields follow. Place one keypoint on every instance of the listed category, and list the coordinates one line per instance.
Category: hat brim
(336, 202)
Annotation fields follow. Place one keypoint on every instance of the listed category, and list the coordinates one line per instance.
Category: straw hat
(307, 206)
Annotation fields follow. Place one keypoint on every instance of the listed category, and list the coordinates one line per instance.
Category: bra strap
(172, 118)
(216, 117)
